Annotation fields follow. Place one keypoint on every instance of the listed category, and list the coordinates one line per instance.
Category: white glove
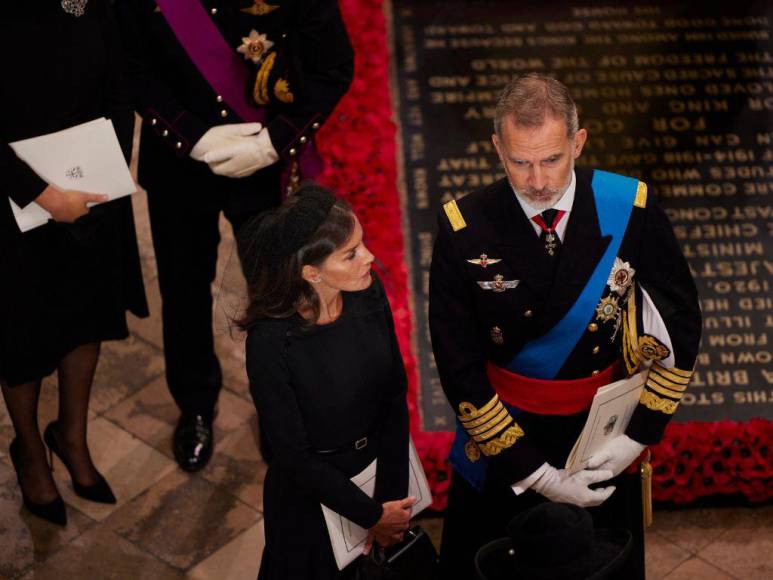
(557, 485)
(220, 136)
(244, 156)
(616, 455)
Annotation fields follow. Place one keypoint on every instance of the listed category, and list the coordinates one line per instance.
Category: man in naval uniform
(231, 94)
(545, 286)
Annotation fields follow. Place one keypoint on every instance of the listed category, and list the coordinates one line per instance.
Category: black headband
(304, 218)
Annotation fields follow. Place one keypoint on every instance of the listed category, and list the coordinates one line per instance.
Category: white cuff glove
(221, 136)
(616, 455)
(244, 156)
(557, 485)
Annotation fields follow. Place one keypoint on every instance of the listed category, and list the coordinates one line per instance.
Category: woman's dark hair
(275, 287)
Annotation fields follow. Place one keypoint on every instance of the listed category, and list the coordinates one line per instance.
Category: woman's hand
(394, 522)
(67, 206)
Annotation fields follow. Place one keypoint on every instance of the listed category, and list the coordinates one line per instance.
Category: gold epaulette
(454, 215)
(641, 195)
(664, 388)
(491, 428)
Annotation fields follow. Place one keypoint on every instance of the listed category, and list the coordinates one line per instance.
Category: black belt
(358, 445)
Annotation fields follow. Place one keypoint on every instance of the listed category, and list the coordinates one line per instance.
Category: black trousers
(185, 201)
(474, 519)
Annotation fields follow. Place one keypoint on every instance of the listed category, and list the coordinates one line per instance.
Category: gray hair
(530, 98)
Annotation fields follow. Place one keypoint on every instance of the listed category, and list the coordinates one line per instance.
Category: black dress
(319, 389)
(62, 285)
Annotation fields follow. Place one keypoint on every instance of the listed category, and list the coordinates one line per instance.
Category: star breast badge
(255, 46)
(621, 276)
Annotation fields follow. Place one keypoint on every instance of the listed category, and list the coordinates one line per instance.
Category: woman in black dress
(66, 285)
(328, 382)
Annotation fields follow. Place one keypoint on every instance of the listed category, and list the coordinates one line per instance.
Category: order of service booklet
(609, 416)
(346, 537)
(86, 157)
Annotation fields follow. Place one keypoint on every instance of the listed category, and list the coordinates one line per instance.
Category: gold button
(596, 350)
(219, 98)
(594, 373)
(154, 122)
(223, 113)
(292, 152)
(165, 133)
(315, 126)
(213, 11)
(303, 140)
(179, 145)
(528, 313)
(593, 327)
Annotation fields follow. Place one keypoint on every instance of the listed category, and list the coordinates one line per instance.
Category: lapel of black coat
(581, 249)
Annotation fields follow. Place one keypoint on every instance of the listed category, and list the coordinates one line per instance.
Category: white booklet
(609, 416)
(346, 537)
(85, 157)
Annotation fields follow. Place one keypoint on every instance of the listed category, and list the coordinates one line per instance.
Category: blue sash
(543, 357)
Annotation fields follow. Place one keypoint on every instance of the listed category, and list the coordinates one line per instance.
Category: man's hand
(394, 522)
(67, 206)
(222, 136)
(557, 485)
(616, 455)
(244, 156)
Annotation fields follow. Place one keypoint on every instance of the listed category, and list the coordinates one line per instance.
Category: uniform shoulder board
(454, 215)
(641, 195)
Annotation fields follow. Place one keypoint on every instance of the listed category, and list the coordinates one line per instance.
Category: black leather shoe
(54, 511)
(99, 492)
(193, 442)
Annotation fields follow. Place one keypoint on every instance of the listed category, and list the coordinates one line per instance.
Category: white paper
(85, 157)
(609, 416)
(346, 537)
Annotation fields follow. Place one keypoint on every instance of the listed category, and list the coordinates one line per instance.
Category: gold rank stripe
(663, 381)
(468, 412)
(505, 440)
(454, 215)
(499, 413)
(641, 195)
(494, 431)
(655, 403)
(664, 390)
(674, 373)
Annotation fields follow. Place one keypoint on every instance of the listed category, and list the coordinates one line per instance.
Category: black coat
(463, 315)
(178, 106)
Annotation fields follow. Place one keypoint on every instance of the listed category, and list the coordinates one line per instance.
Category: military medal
(254, 46)
(608, 309)
(259, 8)
(498, 284)
(484, 261)
(620, 277)
(549, 229)
(496, 336)
(550, 243)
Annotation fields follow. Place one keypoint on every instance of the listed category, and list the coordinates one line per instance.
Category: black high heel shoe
(53, 511)
(99, 492)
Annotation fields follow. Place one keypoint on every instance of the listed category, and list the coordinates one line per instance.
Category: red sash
(545, 397)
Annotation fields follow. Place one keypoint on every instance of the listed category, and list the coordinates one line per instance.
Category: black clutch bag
(414, 558)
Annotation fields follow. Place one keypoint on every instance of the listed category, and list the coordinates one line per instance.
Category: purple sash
(217, 62)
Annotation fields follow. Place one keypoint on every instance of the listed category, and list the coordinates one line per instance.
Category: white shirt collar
(565, 203)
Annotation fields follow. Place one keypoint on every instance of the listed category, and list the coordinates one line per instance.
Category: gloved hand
(616, 455)
(221, 136)
(243, 157)
(557, 485)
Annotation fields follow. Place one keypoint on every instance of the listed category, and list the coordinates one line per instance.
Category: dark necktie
(548, 221)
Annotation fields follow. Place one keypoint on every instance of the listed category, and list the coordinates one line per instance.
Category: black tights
(76, 374)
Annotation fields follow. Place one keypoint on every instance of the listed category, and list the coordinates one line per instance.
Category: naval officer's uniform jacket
(494, 291)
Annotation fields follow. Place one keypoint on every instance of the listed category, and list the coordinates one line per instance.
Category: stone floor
(208, 526)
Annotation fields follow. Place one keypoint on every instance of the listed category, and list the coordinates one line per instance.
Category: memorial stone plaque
(680, 96)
